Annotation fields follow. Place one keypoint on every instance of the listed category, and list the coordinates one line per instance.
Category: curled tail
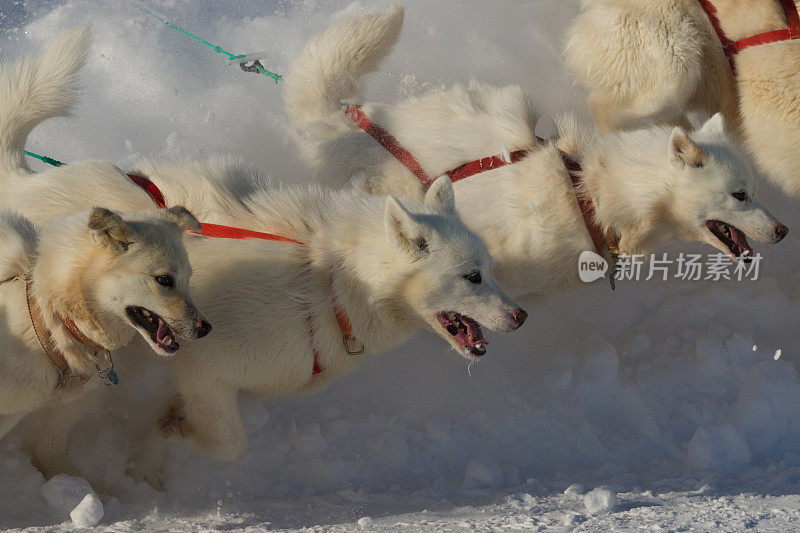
(34, 89)
(18, 241)
(331, 64)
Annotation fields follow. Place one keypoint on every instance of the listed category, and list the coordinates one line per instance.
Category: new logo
(591, 266)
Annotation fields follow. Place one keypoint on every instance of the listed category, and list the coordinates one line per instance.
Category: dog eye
(740, 195)
(473, 277)
(166, 280)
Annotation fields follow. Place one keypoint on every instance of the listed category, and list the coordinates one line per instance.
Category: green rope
(44, 158)
(217, 49)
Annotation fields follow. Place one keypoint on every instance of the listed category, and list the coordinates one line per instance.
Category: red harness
(228, 232)
(485, 164)
(731, 48)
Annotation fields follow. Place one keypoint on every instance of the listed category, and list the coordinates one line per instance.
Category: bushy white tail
(18, 240)
(34, 89)
(330, 65)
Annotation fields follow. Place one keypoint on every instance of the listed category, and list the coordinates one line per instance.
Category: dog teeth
(746, 252)
(146, 313)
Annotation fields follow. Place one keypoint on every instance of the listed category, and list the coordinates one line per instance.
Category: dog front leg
(207, 422)
(48, 430)
(147, 460)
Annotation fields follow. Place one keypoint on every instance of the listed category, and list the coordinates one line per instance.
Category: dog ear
(182, 218)
(402, 230)
(108, 230)
(441, 195)
(715, 124)
(683, 150)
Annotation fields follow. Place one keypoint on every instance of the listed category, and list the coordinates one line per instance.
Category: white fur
(661, 59)
(526, 212)
(85, 272)
(391, 265)
(34, 89)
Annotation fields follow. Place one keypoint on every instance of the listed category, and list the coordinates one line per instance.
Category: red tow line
(731, 48)
(209, 230)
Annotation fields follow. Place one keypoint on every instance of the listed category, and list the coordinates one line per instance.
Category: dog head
(448, 278)
(712, 192)
(140, 273)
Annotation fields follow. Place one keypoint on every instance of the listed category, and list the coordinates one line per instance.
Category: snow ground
(653, 392)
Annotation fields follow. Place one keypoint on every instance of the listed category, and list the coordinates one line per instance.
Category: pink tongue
(473, 331)
(163, 331)
(739, 238)
(473, 334)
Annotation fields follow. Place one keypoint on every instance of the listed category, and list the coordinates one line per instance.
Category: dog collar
(731, 48)
(103, 361)
(44, 337)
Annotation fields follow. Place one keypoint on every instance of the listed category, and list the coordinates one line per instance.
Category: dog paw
(150, 474)
(51, 467)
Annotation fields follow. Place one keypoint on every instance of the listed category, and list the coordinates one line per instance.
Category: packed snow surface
(662, 404)
(600, 501)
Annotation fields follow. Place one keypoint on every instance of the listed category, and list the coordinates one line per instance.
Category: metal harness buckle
(349, 346)
(254, 66)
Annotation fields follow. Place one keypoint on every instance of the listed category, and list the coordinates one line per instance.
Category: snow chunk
(89, 512)
(720, 447)
(74, 496)
(482, 473)
(778, 354)
(600, 501)
(365, 522)
(576, 489)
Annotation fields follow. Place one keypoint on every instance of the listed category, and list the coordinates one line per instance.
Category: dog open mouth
(733, 238)
(155, 326)
(466, 331)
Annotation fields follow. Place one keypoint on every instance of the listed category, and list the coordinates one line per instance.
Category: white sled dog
(70, 293)
(658, 60)
(645, 186)
(353, 274)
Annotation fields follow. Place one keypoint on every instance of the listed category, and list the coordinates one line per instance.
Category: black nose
(202, 328)
(519, 316)
(780, 232)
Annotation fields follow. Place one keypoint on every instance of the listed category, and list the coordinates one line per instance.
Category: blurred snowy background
(667, 394)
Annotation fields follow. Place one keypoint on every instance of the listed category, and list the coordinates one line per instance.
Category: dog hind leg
(639, 64)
